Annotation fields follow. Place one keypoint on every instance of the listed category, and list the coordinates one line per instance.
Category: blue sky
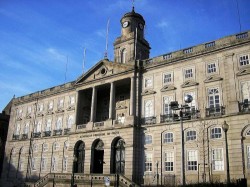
(39, 37)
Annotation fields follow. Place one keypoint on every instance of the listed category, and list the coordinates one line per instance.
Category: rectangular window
(148, 108)
(242, 35)
(148, 162)
(54, 164)
(167, 56)
(168, 137)
(192, 160)
(216, 133)
(148, 82)
(211, 68)
(248, 157)
(217, 159)
(166, 105)
(65, 163)
(213, 98)
(43, 164)
(244, 60)
(148, 139)
(188, 73)
(210, 44)
(191, 135)
(188, 50)
(167, 78)
(169, 161)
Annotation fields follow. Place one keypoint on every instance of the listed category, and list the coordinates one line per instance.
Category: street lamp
(175, 106)
(225, 128)
(73, 171)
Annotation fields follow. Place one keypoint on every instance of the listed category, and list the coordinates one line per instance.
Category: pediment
(148, 92)
(213, 78)
(189, 83)
(167, 88)
(244, 71)
(102, 69)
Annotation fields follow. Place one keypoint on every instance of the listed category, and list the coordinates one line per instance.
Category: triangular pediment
(103, 69)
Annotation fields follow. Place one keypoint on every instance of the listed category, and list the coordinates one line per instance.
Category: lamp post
(73, 171)
(225, 128)
(157, 174)
(187, 99)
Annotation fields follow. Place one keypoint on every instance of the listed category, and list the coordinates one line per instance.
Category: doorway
(98, 155)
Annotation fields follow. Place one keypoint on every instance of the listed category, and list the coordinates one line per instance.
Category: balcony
(215, 111)
(244, 106)
(169, 117)
(24, 136)
(36, 135)
(149, 120)
(15, 137)
(57, 132)
(82, 126)
(99, 124)
(67, 131)
(46, 133)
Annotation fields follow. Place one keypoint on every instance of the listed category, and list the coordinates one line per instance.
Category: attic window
(103, 71)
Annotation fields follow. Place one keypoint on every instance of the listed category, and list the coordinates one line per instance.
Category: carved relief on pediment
(244, 71)
(102, 71)
(148, 92)
(189, 83)
(168, 88)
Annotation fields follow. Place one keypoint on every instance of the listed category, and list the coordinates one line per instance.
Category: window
(56, 146)
(169, 161)
(29, 110)
(188, 50)
(244, 60)
(210, 44)
(168, 137)
(17, 129)
(167, 56)
(245, 89)
(217, 159)
(148, 139)
(19, 113)
(167, 78)
(48, 125)
(213, 98)
(216, 132)
(166, 102)
(148, 82)
(123, 56)
(121, 118)
(45, 147)
(43, 163)
(66, 145)
(21, 165)
(26, 128)
(60, 103)
(59, 123)
(192, 160)
(53, 164)
(149, 109)
(33, 163)
(191, 135)
(38, 126)
(248, 157)
(70, 121)
(65, 163)
(211, 68)
(188, 73)
(40, 107)
(50, 106)
(71, 100)
(148, 162)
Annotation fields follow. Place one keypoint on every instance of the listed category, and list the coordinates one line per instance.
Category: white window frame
(148, 162)
(59, 123)
(169, 161)
(189, 73)
(168, 137)
(149, 108)
(56, 146)
(193, 104)
(44, 164)
(167, 80)
(50, 105)
(35, 147)
(149, 84)
(211, 68)
(192, 160)
(65, 163)
(60, 103)
(245, 90)
(29, 111)
(166, 101)
(33, 163)
(48, 125)
(17, 129)
(217, 160)
(54, 163)
(72, 100)
(45, 147)
(70, 120)
(148, 139)
(26, 128)
(214, 99)
(40, 107)
(191, 135)
(244, 60)
(216, 133)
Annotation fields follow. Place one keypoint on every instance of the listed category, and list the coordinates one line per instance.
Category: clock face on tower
(125, 24)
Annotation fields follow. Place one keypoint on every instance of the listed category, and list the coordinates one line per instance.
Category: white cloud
(162, 24)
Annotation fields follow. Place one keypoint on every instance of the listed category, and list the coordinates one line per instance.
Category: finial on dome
(133, 7)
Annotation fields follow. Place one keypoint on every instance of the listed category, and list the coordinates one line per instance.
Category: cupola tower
(131, 45)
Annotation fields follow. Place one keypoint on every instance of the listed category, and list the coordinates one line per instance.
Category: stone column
(132, 104)
(93, 105)
(111, 100)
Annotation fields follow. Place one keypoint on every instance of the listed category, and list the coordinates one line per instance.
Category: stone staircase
(82, 180)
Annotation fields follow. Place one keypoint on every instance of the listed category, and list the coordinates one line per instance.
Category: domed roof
(133, 14)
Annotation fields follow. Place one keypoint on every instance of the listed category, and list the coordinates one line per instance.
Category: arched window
(123, 56)
(168, 137)
(56, 146)
(120, 156)
(149, 110)
(79, 157)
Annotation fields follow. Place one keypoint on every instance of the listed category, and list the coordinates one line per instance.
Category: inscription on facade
(99, 134)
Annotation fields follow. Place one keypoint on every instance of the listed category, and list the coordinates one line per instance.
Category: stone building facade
(127, 120)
